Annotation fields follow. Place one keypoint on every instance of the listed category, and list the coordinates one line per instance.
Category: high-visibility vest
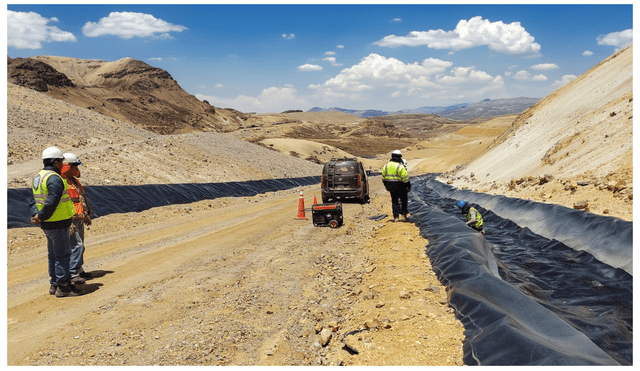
(65, 209)
(74, 194)
(394, 172)
(479, 221)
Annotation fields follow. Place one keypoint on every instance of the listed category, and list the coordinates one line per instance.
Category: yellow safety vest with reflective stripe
(479, 221)
(65, 209)
(395, 172)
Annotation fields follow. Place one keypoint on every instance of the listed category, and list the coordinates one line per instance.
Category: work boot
(64, 291)
(77, 280)
(405, 218)
(52, 289)
(395, 219)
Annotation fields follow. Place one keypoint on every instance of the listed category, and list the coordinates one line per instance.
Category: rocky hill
(463, 111)
(116, 152)
(487, 108)
(127, 89)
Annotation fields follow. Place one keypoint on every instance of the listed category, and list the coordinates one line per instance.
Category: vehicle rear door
(346, 176)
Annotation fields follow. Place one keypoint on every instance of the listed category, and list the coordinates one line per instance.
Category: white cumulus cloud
(462, 75)
(273, 99)
(289, 36)
(332, 60)
(509, 38)
(539, 77)
(127, 25)
(545, 67)
(329, 53)
(378, 76)
(30, 30)
(617, 39)
(522, 75)
(274, 96)
(587, 53)
(378, 70)
(564, 81)
(310, 67)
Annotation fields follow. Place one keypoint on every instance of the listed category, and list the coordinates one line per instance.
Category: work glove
(72, 229)
(35, 219)
(87, 220)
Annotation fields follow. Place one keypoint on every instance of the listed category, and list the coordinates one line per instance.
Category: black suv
(344, 178)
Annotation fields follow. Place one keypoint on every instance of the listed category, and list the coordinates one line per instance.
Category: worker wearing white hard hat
(52, 208)
(71, 173)
(396, 180)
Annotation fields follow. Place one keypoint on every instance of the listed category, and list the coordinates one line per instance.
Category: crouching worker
(474, 219)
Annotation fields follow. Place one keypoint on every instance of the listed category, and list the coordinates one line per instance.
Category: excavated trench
(525, 297)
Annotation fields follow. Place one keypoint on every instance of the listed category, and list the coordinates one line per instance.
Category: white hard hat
(71, 159)
(396, 152)
(52, 153)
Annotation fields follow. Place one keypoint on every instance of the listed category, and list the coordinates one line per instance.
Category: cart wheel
(333, 223)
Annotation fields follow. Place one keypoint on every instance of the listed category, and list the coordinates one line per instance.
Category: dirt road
(236, 281)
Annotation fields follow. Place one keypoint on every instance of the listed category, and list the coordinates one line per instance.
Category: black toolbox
(327, 215)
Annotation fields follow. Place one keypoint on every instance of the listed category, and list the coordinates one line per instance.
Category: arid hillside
(586, 126)
(574, 147)
(127, 90)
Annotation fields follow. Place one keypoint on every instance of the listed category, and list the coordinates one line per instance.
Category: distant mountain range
(462, 111)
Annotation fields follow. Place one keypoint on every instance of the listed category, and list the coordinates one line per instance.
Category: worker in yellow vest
(396, 180)
(474, 219)
(71, 173)
(52, 209)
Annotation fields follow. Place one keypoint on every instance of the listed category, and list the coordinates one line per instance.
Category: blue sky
(271, 58)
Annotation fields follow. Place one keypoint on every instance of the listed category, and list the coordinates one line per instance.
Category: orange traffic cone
(315, 202)
(301, 214)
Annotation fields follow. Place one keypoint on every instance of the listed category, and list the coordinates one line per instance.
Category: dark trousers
(59, 250)
(399, 202)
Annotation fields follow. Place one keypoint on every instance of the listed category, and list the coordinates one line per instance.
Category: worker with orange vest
(52, 208)
(71, 173)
